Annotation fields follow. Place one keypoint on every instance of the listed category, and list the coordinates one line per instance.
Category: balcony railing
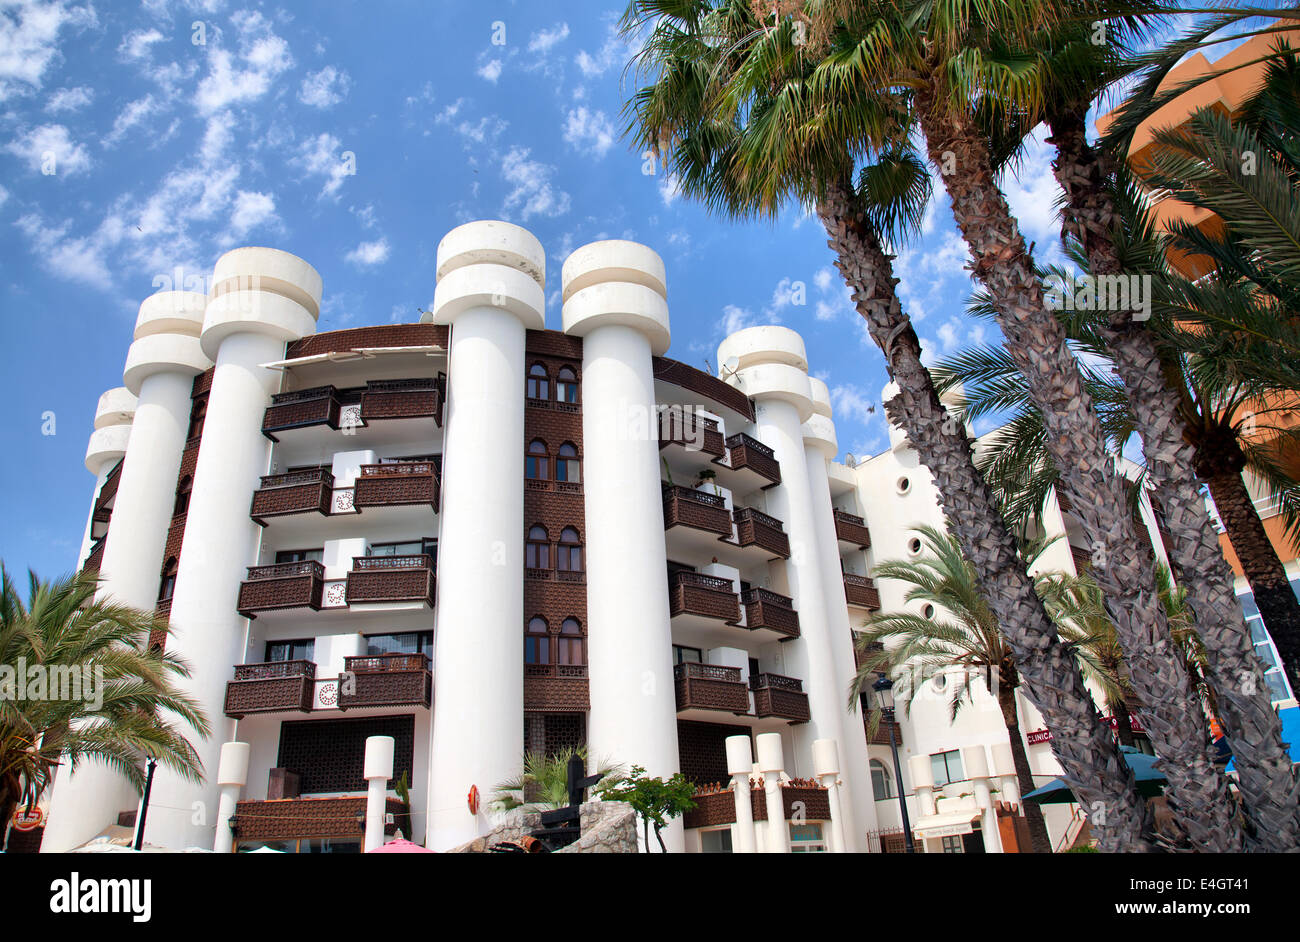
(308, 818)
(852, 529)
(385, 680)
(861, 592)
(699, 510)
(303, 407)
(678, 426)
(407, 483)
(754, 528)
(746, 452)
(271, 687)
(710, 687)
(283, 585)
(403, 399)
(108, 492)
(767, 609)
(294, 493)
(779, 696)
(96, 557)
(556, 688)
(1081, 558)
(801, 802)
(881, 738)
(694, 593)
(391, 579)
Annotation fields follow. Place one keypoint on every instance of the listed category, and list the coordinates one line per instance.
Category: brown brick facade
(702, 749)
(387, 335)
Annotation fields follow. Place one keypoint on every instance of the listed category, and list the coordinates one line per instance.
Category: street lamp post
(885, 698)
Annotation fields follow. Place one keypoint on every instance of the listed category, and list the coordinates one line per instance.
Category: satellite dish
(850, 460)
(732, 364)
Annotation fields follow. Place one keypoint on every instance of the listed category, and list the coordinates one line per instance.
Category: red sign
(1045, 735)
(1133, 723)
(1039, 735)
(28, 819)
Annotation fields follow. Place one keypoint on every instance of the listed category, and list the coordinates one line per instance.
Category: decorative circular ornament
(472, 799)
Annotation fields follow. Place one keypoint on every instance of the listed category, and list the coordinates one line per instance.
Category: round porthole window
(914, 546)
(940, 681)
(904, 485)
(927, 610)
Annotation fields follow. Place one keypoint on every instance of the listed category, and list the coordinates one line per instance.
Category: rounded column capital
(819, 433)
(771, 755)
(260, 290)
(1004, 762)
(163, 353)
(171, 312)
(922, 772)
(116, 407)
(492, 242)
(776, 381)
(740, 756)
(106, 444)
(826, 757)
(975, 760)
(233, 767)
(821, 395)
(617, 282)
(490, 263)
(757, 346)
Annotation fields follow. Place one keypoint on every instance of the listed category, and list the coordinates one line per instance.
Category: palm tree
(911, 648)
(62, 629)
(543, 785)
(730, 108)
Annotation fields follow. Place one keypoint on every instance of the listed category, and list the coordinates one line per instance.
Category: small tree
(544, 782)
(656, 801)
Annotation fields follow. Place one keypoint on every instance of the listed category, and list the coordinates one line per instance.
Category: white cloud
(29, 35)
(69, 99)
(325, 88)
(490, 70)
(138, 44)
(133, 114)
(533, 194)
(239, 79)
(78, 259)
(39, 145)
(544, 40)
(369, 254)
(669, 188)
(853, 403)
(590, 132)
(320, 156)
(1033, 192)
(251, 211)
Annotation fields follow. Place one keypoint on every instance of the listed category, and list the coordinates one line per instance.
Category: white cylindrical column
(771, 762)
(1004, 767)
(740, 764)
(922, 783)
(491, 280)
(826, 766)
(107, 446)
(82, 804)
(378, 770)
(160, 370)
(615, 300)
(975, 760)
(820, 446)
(232, 776)
(261, 299)
(772, 371)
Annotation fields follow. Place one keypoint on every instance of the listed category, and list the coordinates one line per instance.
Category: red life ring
(28, 820)
(473, 799)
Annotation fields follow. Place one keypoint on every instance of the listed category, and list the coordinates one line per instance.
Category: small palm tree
(962, 633)
(117, 720)
(544, 783)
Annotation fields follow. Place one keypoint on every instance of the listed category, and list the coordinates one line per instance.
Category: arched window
(539, 383)
(536, 461)
(570, 643)
(537, 549)
(882, 783)
(566, 385)
(183, 489)
(567, 466)
(569, 558)
(537, 642)
(197, 415)
(168, 585)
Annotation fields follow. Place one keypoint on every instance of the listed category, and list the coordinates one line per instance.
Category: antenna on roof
(850, 460)
(730, 366)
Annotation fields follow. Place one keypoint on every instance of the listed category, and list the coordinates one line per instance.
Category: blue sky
(179, 130)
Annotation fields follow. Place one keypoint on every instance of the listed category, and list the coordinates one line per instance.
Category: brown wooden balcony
(298, 492)
(684, 506)
(318, 405)
(746, 452)
(710, 687)
(385, 680)
(767, 609)
(778, 696)
(391, 579)
(802, 802)
(271, 687)
(1081, 558)
(694, 593)
(403, 399)
(754, 528)
(860, 592)
(283, 585)
(860, 656)
(556, 688)
(881, 737)
(288, 819)
(104, 499)
(691, 431)
(851, 529)
(95, 559)
(409, 483)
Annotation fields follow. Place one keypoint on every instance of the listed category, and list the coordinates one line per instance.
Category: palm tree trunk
(1036, 342)
(1039, 840)
(1264, 765)
(1051, 677)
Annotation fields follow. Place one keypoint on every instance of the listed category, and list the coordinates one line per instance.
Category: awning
(946, 825)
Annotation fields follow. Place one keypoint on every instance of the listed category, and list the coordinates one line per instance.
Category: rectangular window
(300, 649)
(806, 839)
(300, 555)
(329, 755)
(537, 649)
(428, 545)
(946, 767)
(953, 845)
(717, 841)
(403, 642)
(683, 655)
